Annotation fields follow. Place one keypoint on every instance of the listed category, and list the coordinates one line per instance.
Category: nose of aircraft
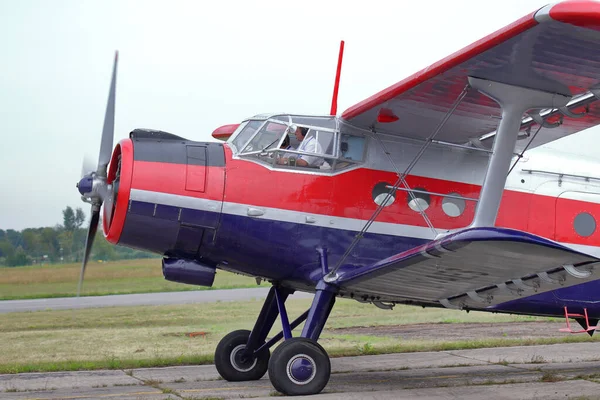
(159, 192)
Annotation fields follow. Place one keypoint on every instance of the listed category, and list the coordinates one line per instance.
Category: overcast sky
(187, 67)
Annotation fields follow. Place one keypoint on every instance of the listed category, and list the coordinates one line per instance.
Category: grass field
(116, 277)
(131, 337)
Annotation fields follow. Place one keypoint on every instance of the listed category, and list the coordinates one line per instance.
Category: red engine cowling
(167, 193)
(119, 177)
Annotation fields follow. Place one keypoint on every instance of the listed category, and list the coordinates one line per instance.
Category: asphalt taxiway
(144, 299)
(560, 371)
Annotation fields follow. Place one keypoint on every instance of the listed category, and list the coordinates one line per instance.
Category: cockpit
(319, 144)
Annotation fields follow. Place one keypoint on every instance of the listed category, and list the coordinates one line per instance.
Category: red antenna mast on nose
(336, 86)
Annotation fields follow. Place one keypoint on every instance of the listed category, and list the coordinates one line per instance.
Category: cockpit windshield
(246, 133)
(267, 137)
(294, 142)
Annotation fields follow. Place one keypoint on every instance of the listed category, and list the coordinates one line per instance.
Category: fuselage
(242, 212)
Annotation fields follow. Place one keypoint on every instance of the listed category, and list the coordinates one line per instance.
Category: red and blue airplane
(422, 194)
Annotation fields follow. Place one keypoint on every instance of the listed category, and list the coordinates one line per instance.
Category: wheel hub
(301, 369)
(240, 361)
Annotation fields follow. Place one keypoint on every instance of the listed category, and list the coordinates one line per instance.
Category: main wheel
(299, 366)
(231, 363)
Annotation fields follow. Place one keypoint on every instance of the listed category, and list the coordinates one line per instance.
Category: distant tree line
(60, 244)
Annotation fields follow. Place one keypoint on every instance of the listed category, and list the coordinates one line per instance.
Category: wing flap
(545, 50)
(473, 268)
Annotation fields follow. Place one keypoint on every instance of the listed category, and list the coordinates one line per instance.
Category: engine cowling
(167, 193)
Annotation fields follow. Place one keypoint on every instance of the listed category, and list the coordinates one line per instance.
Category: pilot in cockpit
(308, 144)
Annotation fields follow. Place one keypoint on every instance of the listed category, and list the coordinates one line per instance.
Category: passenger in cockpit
(286, 143)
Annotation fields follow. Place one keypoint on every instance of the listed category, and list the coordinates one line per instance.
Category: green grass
(134, 337)
(116, 277)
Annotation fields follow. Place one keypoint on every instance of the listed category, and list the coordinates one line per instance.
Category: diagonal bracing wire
(519, 156)
(401, 180)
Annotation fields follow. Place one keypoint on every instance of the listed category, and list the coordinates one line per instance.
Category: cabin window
(418, 200)
(382, 195)
(453, 206)
(584, 224)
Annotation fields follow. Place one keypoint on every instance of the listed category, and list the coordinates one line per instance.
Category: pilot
(309, 145)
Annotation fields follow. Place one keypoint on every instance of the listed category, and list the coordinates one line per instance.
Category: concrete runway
(145, 299)
(561, 371)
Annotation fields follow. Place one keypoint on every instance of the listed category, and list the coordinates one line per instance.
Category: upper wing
(473, 268)
(555, 49)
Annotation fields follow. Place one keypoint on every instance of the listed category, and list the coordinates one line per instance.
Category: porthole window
(584, 224)
(389, 200)
(418, 201)
(452, 206)
(380, 194)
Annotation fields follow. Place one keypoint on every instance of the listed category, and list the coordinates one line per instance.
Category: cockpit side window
(352, 147)
(326, 140)
(242, 138)
(351, 151)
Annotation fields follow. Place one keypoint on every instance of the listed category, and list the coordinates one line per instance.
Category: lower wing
(473, 268)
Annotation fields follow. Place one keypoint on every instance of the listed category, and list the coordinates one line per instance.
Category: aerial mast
(336, 85)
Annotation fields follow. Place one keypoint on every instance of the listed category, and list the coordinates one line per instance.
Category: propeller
(92, 186)
(86, 165)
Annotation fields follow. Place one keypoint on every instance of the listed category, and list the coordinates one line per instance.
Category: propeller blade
(88, 243)
(109, 124)
(93, 186)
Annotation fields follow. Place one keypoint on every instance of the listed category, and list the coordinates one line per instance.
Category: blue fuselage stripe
(281, 250)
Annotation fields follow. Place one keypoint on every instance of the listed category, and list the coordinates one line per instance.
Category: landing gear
(232, 362)
(299, 366)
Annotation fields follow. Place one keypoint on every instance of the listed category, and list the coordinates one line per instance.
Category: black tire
(231, 366)
(299, 366)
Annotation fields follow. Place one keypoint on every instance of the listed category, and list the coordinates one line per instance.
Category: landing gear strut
(298, 366)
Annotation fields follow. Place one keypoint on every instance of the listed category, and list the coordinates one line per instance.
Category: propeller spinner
(93, 186)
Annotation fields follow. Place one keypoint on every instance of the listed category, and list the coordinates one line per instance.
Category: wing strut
(401, 180)
(520, 155)
(514, 101)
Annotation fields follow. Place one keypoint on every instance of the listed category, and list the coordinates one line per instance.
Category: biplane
(423, 194)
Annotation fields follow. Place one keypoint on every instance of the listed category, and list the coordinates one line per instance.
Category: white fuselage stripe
(328, 221)
(277, 214)
(175, 200)
(304, 218)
